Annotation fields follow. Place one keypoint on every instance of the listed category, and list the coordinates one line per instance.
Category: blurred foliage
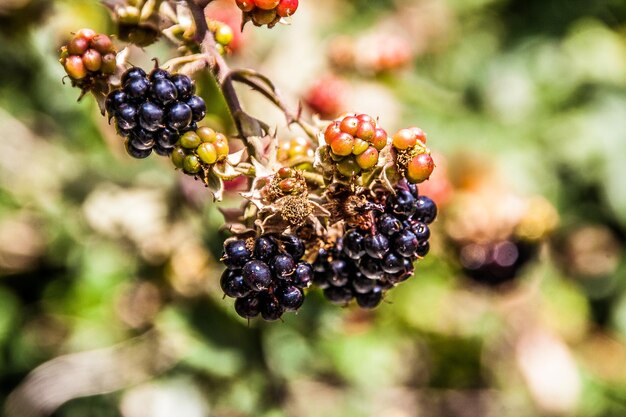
(97, 249)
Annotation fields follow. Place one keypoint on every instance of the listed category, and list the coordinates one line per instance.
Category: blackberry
(267, 278)
(370, 260)
(163, 104)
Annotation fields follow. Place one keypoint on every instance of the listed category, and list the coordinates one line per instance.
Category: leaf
(215, 185)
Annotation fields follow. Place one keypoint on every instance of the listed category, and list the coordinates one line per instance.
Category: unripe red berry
(404, 139)
(102, 44)
(287, 185)
(420, 168)
(332, 131)
(266, 4)
(263, 17)
(348, 167)
(77, 46)
(108, 64)
(342, 144)
(367, 159)
(366, 130)
(379, 141)
(75, 67)
(419, 134)
(285, 172)
(287, 7)
(86, 33)
(349, 125)
(92, 60)
(206, 151)
(366, 118)
(245, 5)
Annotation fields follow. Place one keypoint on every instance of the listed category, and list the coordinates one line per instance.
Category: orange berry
(419, 168)
(266, 4)
(221, 147)
(75, 67)
(332, 131)
(419, 134)
(404, 139)
(379, 141)
(342, 144)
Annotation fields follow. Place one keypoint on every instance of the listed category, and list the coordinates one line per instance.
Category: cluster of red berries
(197, 150)
(88, 56)
(265, 275)
(366, 262)
(153, 111)
(355, 142)
(267, 12)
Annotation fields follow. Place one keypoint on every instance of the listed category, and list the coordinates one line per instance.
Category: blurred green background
(113, 261)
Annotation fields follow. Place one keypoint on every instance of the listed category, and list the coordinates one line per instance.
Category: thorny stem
(247, 126)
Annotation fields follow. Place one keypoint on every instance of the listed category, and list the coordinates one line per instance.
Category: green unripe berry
(108, 64)
(224, 35)
(206, 151)
(191, 164)
(348, 167)
(263, 17)
(207, 134)
(367, 159)
(178, 156)
(360, 146)
(190, 140)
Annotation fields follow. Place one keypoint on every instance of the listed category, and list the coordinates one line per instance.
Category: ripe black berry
(426, 209)
(137, 153)
(158, 74)
(353, 244)
(150, 116)
(236, 254)
(134, 72)
(184, 86)
(248, 306)
(376, 245)
(283, 265)
(289, 297)
(166, 138)
(164, 91)
(264, 248)
(392, 263)
(126, 116)
(388, 225)
(257, 275)
(233, 284)
(293, 245)
(402, 202)
(362, 285)
(141, 141)
(113, 101)
(179, 116)
(370, 299)
(405, 243)
(136, 89)
(371, 268)
(303, 275)
(338, 295)
(271, 309)
(198, 108)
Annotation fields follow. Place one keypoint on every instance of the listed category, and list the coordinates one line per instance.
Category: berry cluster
(265, 275)
(355, 142)
(267, 12)
(152, 112)
(200, 149)
(365, 263)
(87, 57)
(413, 158)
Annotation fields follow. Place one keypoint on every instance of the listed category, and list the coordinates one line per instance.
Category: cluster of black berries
(365, 263)
(153, 111)
(265, 275)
